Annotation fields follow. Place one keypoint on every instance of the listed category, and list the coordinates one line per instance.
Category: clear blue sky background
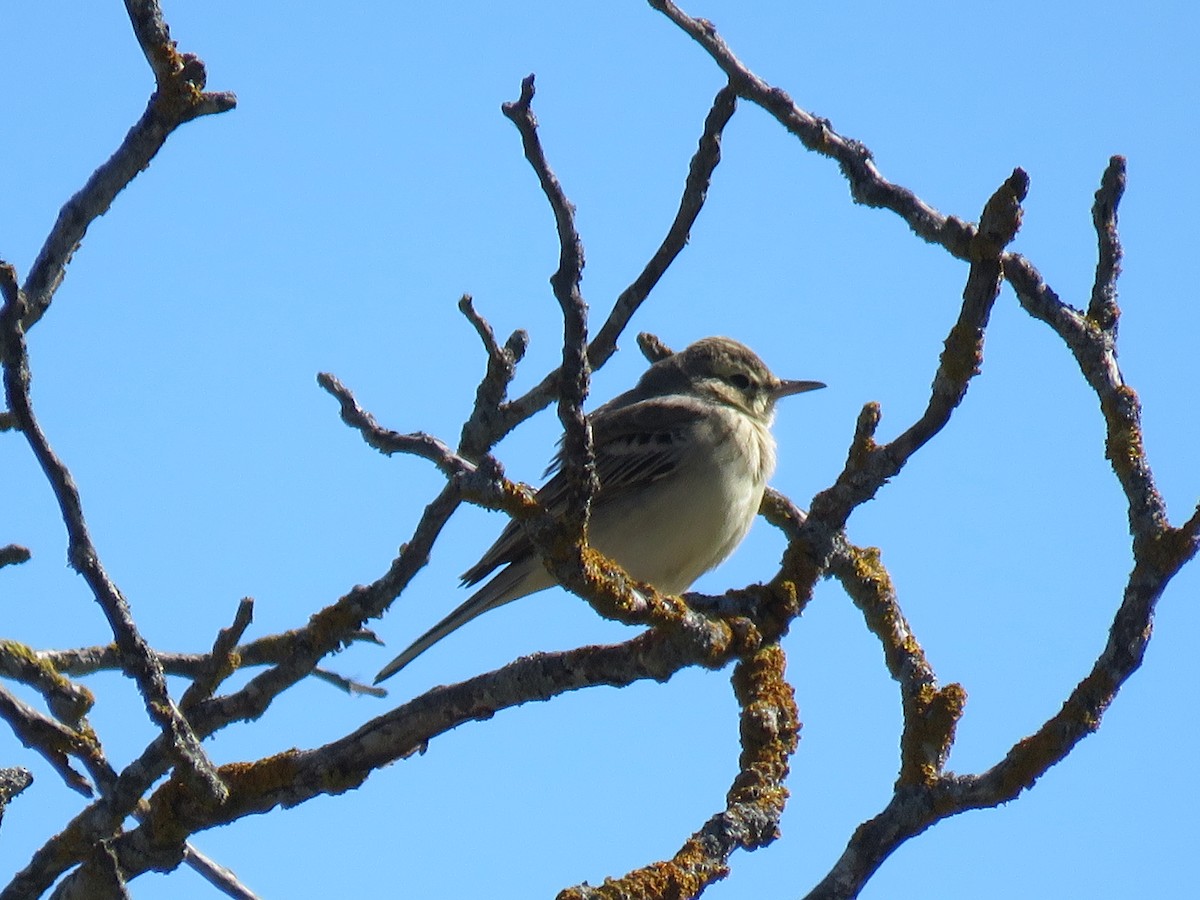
(367, 179)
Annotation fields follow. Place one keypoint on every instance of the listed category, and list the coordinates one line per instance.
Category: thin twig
(55, 742)
(695, 191)
(219, 876)
(1102, 308)
(482, 429)
(388, 442)
(222, 659)
(575, 373)
(870, 465)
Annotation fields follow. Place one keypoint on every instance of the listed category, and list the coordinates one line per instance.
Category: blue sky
(367, 179)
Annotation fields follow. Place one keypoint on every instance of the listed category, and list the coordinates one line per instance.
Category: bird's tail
(498, 591)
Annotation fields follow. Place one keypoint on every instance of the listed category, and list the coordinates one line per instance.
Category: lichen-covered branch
(924, 792)
(770, 732)
(293, 777)
(869, 465)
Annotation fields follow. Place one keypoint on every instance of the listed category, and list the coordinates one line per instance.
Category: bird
(682, 461)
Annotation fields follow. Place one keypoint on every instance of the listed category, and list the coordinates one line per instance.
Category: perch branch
(583, 571)
(770, 733)
(295, 776)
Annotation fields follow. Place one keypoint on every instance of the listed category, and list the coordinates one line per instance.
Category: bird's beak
(787, 388)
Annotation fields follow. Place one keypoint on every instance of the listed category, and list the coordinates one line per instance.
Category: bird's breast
(682, 525)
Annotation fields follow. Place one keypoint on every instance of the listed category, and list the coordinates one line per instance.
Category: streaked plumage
(682, 460)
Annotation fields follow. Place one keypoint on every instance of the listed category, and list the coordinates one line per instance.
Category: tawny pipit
(682, 460)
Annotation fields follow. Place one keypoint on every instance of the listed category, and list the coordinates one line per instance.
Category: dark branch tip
(863, 444)
(521, 106)
(14, 554)
(329, 382)
(517, 344)
(192, 71)
(652, 348)
(1001, 217)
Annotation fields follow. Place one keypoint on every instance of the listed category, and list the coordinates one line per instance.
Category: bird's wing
(635, 444)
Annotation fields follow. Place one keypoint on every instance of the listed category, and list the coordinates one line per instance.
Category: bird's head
(722, 369)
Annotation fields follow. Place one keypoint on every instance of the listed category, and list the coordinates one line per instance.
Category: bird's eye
(739, 380)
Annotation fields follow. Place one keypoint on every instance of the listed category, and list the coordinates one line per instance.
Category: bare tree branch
(1095, 353)
(388, 442)
(703, 164)
(579, 464)
(99, 878)
(53, 741)
(222, 660)
(695, 192)
(179, 97)
(742, 625)
(867, 185)
(869, 464)
(138, 659)
(295, 776)
(264, 651)
(480, 430)
(67, 701)
(220, 877)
